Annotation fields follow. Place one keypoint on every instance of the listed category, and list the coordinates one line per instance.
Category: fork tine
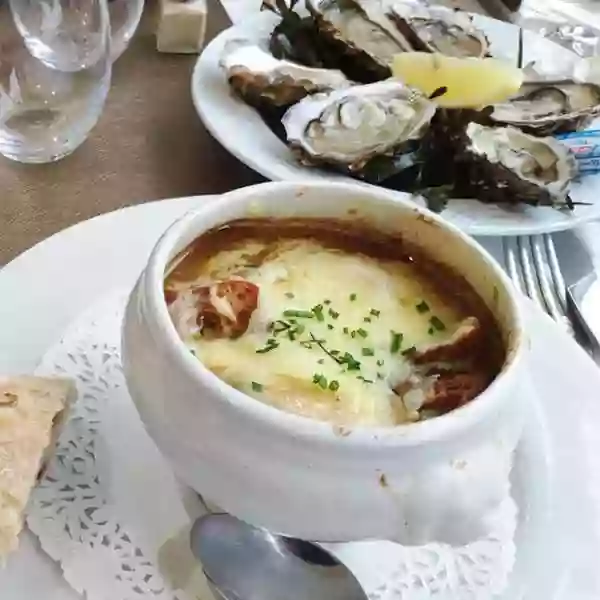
(525, 256)
(511, 263)
(545, 280)
(557, 277)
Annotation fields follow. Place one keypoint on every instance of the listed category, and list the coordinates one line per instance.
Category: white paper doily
(112, 514)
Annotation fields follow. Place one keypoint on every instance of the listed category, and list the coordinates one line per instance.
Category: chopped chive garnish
(318, 312)
(437, 323)
(321, 344)
(364, 380)
(396, 342)
(299, 329)
(353, 334)
(301, 314)
(346, 330)
(334, 385)
(329, 326)
(363, 333)
(422, 307)
(379, 375)
(313, 340)
(271, 345)
(350, 362)
(320, 380)
(409, 351)
(278, 326)
(368, 352)
(333, 313)
(367, 319)
(257, 387)
(352, 297)
(375, 313)
(431, 331)
(380, 363)
(326, 301)
(193, 352)
(289, 295)
(321, 361)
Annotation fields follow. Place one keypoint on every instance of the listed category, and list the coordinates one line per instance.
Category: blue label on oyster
(585, 146)
(589, 165)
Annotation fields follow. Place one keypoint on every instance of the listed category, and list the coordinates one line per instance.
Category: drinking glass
(125, 17)
(55, 72)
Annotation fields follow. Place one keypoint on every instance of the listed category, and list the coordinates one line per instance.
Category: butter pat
(181, 26)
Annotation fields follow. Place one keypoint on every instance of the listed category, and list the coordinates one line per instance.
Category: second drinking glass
(55, 69)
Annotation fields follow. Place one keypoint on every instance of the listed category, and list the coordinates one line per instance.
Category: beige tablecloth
(148, 145)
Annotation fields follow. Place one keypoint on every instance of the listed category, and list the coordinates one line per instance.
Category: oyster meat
(263, 80)
(439, 29)
(357, 128)
(361, 34)
(543, 108)
(506, 165)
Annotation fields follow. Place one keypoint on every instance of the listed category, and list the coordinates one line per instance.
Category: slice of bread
(32, 412)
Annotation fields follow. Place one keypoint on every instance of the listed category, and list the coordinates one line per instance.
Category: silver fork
(533, 266)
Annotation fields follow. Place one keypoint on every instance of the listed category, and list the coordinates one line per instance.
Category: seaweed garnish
(294, 37)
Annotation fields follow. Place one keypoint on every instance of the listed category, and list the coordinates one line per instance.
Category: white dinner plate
(557, 474)
(241, 130)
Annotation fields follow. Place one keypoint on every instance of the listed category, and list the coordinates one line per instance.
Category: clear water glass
(55, 70)
(125, 17)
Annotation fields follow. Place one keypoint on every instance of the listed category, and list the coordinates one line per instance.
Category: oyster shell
(262, 79)
(507, 165)
(543, 108)
(361, 34)
(439, 29)
(360, 127)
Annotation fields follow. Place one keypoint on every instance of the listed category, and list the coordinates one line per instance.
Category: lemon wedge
(469, 82)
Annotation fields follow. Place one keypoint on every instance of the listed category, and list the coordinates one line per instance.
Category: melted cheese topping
(362, 305)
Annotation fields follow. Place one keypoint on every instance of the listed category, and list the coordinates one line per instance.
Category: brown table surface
(149, 144)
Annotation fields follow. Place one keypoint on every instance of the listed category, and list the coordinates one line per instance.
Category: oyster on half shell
(543, 108)
(350, 129)
(507, 165)
(361, 34)
(263, 80)
(439, 29)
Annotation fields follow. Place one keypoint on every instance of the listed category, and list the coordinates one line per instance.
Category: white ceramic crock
(436, 480)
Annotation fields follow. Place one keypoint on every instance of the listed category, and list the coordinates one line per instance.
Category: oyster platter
(458, 110)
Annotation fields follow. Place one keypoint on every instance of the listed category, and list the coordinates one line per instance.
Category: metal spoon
(242, 562)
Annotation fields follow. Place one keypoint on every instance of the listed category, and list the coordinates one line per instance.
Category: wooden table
(149, 144)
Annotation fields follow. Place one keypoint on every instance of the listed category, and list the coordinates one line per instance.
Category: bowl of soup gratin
(331, 363)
